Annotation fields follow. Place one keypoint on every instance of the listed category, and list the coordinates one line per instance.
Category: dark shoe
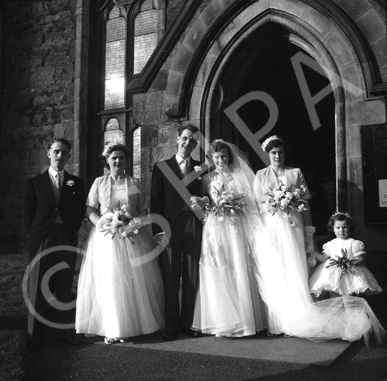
(191, 332)
(170, 336)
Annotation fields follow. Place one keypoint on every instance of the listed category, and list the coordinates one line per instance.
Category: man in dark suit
(174, 182)
(54, 207)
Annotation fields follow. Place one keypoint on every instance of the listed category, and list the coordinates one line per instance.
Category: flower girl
(342, 270)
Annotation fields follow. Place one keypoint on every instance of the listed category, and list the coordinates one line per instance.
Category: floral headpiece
(218, 141)
(108, 146)
(341, 214)
(268, 140)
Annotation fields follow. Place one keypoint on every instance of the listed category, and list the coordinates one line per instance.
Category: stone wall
(37, 95)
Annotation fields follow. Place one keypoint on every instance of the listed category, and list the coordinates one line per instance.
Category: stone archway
(313, 30)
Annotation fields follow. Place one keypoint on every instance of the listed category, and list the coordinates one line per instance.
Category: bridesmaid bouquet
(284, 199)
(344, 263)
(120, 223)
(228, 204)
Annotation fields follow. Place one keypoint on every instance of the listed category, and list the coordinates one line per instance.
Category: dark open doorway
(263, 63)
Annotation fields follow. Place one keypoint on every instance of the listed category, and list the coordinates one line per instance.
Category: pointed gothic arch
(335, 44)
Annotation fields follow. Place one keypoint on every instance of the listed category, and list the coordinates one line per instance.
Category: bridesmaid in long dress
(228, 301)
(120, 290)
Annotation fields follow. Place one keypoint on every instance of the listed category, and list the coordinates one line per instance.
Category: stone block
(175, 83)
(212, 12)
(224, 38)
(148, 135)
(320, 22)
(147, 107)
(250, 13)
(372, 25)
(171, 106)
(354, 8)
(196, 102)
(182, 59)
(339, 47)
(161, 80)
(353, 142)
(146, 159)
(293, 7)
(195, 35)
(365, 112)
(352, 83)
(379, 48)
(164, 136)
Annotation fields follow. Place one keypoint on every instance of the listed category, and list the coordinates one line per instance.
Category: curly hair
(340, 216)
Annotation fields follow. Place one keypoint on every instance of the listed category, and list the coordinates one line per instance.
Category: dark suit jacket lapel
(172, 162)
(47, 185)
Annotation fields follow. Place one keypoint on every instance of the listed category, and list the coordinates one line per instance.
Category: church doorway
(263, 62)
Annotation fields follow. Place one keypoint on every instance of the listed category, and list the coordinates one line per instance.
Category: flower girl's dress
(120, 289)
(228, 302)
(356, 280)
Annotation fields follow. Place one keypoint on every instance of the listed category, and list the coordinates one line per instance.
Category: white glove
(309, 231)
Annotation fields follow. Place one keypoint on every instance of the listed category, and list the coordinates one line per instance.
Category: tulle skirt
(283, 281)
(120, 289)
(358, 280)
(228, 301)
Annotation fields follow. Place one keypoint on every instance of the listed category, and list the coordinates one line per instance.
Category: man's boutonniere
(70, 183)
(198, 168)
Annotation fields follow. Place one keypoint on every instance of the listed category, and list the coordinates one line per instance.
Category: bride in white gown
(228, 302)
(282, 267)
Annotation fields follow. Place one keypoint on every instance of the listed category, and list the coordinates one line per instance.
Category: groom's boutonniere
(70, 183)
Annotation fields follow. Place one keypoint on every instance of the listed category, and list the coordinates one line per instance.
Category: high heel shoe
(109, 341)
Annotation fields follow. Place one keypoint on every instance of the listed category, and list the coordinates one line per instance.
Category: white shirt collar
(53, 173)
(179, 159)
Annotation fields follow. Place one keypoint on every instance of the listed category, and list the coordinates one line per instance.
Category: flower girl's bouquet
(228, 204)
(284, 199)
(344, 263)
(120, 223)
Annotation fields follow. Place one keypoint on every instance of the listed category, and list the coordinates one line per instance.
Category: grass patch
(13, 316)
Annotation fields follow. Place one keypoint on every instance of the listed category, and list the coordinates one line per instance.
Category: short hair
(189, 127)
(277, 142)
(217, 145)
(60, 140)
(340, 216)
(115, 147)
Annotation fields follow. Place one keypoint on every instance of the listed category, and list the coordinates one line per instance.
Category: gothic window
(131, 30)
(115, 60)
(113, 132)
(146, 27)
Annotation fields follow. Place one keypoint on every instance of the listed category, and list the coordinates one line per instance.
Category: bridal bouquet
(121, 223)
(228, 204)
(344, 263)
(284, 199)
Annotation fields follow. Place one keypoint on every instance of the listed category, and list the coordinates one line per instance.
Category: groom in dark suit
(54, 207)
(173, 183)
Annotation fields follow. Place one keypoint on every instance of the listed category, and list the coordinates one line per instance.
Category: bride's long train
(283, 284)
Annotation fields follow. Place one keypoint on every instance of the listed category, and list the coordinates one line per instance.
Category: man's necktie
(184, 165)
(57, 182)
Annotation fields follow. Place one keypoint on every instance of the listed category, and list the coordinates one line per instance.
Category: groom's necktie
(58, 186)
(184, 166)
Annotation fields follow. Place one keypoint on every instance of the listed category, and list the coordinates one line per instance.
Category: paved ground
(135, 361)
